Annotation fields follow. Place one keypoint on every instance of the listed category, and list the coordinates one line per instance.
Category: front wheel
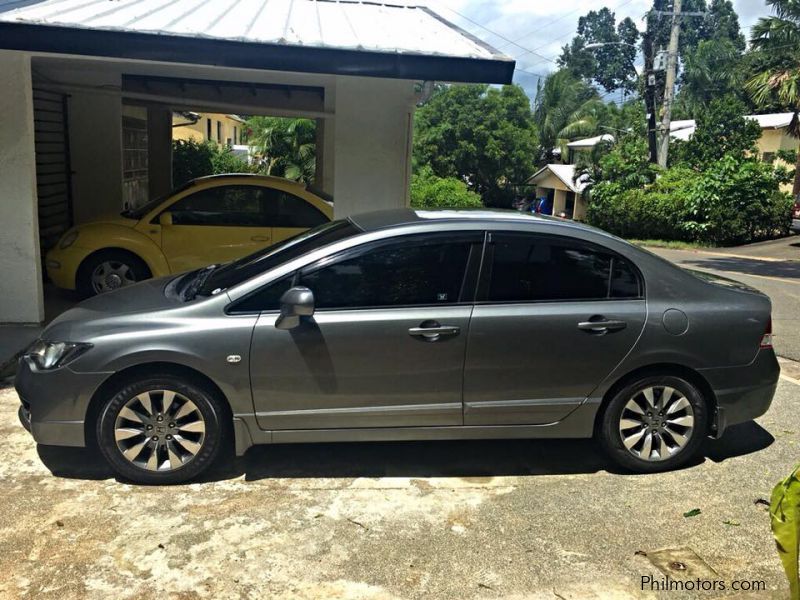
(161, 430)
(654, 423)
(108, 270)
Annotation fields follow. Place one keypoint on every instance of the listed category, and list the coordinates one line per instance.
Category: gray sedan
(405, 325)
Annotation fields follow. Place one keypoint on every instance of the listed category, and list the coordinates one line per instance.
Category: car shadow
(462, 458)
(786, 269)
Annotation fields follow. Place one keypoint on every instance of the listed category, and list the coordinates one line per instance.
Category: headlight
(68, 239)
(51, 355)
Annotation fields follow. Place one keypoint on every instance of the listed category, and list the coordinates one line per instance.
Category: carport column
(159, 151)
(372, 144)
(20, 264)
(326, 144)
(559, 202)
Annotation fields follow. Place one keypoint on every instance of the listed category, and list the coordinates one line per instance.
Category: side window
(529, 268)
(414, 272)
(227, 205)
(283, 209)
(267, 298)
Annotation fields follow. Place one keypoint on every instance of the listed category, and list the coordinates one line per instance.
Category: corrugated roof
(591, 142)
(683, 130)
(334, 24)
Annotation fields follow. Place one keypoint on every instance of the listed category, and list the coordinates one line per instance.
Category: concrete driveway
(512, 519)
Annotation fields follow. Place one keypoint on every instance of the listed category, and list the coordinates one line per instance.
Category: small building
(556, 184)
(227, 130)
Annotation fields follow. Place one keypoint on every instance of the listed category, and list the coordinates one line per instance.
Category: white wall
(372, 144)
(20, 267)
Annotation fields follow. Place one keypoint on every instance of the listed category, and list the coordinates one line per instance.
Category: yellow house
(557, 186)
(215, 127)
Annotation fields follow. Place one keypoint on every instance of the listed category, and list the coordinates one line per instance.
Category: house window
(219, 131)
(768, 157)
(208, 129)
(234, 135)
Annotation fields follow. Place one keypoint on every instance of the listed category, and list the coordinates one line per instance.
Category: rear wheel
(109, 270)
(654, 423)
(163, 429)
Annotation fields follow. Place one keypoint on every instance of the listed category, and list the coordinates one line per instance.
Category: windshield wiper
(190, 293)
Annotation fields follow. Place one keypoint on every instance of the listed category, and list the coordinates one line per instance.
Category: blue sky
(539, 28)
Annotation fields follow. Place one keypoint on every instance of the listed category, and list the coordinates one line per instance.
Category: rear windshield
(265, 259)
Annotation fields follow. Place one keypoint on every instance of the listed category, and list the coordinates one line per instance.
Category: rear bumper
(54, 403)
(744, 393)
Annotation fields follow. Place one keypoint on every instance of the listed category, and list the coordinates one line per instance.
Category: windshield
(221, 278)
(141, 211)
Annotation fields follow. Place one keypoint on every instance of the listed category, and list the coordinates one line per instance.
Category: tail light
(766, 339)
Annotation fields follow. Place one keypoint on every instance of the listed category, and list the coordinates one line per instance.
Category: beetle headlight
(68, 239)
(51, 355)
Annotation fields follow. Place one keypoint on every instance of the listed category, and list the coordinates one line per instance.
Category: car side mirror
(295, 303)
(165, 218)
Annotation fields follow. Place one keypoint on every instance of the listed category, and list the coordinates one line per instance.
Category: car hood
(102, 313)
(111, 220)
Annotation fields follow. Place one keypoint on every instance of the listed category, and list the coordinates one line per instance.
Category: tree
(191, 159)
(721, 130)
(776, 40)
(565, 109)
(610, 65)
(430, 191)
(286, 146)
(477, 134)
(711, 70)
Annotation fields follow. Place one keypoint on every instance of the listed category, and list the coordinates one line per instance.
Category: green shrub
(430, 191)
(191, 159)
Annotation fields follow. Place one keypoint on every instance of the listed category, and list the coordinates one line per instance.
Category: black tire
(137, 268)
(210, 408)
(610, 436)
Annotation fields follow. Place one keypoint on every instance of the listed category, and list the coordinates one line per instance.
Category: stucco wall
(230, 129)
(20, 265)
(372, 144)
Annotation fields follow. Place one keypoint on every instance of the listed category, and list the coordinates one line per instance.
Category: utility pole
(669, 90)
(650, 94)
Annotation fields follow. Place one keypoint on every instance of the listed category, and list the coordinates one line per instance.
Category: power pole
(669, 90)
(650, 95)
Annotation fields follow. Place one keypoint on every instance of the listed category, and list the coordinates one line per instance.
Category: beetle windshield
(265, 259)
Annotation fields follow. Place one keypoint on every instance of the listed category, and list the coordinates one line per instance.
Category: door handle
(602, 326)
(260, 238)
(430, 331)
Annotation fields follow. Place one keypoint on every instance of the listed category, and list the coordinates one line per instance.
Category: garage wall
(21, 281)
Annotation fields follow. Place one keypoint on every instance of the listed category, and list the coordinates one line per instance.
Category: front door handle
(431, 331)
(601, 326)
(260, 238)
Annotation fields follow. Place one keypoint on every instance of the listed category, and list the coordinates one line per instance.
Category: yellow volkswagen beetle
(209, 220)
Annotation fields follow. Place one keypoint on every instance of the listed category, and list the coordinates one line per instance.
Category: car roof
(383, 219)
(253, 176)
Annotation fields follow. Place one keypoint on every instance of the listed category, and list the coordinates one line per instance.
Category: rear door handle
(430, 331)
(601, 326)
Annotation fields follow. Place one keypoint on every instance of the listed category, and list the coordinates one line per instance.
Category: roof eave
(248, 55)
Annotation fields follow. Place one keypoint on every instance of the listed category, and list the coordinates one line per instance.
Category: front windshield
(265, 259)
(141, 211)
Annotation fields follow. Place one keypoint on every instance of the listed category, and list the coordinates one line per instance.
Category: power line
(501, 36)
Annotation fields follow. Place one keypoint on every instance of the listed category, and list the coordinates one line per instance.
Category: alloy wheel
(159, 430)
(656, 423)
(110, 275)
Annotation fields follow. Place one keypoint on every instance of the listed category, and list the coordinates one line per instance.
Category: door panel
(359, 368)
(552, 366)
(193, 246)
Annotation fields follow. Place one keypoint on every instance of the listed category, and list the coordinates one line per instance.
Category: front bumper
(54, 403)
(744, 393)
(62, 265)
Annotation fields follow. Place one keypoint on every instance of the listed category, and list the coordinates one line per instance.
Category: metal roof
(565, 174)
(591, 142)
(684, 130)
(360, 27)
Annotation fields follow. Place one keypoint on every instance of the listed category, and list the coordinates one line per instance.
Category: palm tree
(286, 147)
(777, 41)
(565, 109)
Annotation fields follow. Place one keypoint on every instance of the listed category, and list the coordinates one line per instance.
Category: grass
(671, 244)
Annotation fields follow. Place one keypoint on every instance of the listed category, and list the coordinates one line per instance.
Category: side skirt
(578, 424)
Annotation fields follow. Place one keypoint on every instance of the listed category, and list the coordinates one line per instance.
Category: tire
(189, 436)
(122, 268)
(676, 429)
